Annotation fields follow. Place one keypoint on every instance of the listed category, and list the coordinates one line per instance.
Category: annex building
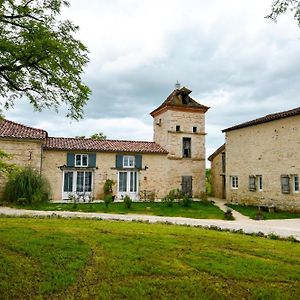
(174, 160)
(259, 164)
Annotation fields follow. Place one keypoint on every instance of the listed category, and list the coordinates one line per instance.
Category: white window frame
(74, 184)
(295, 179)
(127, 160)
(81, 160)
(259, 179)
(234, 182)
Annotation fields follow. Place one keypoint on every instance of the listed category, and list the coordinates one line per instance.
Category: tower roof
(180, 99)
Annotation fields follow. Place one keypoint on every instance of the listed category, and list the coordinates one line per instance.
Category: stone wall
(154, 178)
(216, 176)
(24, 153)
(166, 135)
(270, 149)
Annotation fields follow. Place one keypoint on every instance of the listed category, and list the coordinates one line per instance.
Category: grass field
(74, 259)
(251, 212)
(198, 210)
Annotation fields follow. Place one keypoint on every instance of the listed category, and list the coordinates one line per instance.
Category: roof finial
(177, 85)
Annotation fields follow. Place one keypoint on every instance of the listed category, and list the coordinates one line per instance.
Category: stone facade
(175, 160)
(150, 179)
(263, 156)
(166, 135)
(23, 153)
(218, 178)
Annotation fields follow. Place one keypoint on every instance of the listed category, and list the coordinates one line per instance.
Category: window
(295, 183)
(68, 182)
(77, 181)
(128, 161)
(194, 129)
(234, 182)
(186, 147)
(177, 128)
(252, 183)
(81, 160)
(285, 184)
(259, 182)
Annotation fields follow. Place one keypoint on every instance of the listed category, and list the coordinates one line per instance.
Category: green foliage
(208, 183)
(99, 136)
(173, 195)
(29, 184)
(107, 200)
(186, 201)
(40, 57)
(127, 201)
(280, 7)
(108, 186)
(5, 167)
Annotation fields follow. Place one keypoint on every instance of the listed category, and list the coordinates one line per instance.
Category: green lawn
(74, 259)
(198, 210)
(251, 212)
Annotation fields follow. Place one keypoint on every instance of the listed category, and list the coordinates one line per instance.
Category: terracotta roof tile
(105, 146)
(267, 118)
(180, 98)
(9, 129)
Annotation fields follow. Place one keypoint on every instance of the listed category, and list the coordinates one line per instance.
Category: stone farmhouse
(175, 160)
(260, 162)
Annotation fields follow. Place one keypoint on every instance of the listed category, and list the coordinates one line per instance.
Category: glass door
(128, 184)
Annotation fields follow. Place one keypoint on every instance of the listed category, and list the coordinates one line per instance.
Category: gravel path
(283, 228)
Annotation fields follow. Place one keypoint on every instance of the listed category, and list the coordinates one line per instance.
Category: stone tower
(179, 127)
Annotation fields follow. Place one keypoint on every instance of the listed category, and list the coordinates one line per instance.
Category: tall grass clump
(27, 186)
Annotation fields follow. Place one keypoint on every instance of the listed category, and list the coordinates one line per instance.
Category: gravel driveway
(282, 228)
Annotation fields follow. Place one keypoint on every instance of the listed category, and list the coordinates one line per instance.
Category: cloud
(237, 62)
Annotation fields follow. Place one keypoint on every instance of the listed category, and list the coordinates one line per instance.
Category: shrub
(186, 201)
(107, 200)
(127, 201)
(172, 196)
(107, 188)
(228, 215)
(29, 184)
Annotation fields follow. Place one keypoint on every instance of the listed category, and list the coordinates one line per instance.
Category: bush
(107, 200)
(186, 201)
(228, 215)
(108, 186)
(172, 196)
(127, 201)
(27, 183)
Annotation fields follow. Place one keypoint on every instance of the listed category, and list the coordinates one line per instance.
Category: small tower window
(177, 127)
(194, 129)
(186, 147)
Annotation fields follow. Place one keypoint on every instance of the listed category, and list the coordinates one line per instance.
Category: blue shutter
(70, 159)
(119, 161)
(138, 161)
(92, 160)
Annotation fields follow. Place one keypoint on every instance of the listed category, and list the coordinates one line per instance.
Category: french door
(128, 184)
(78, 183)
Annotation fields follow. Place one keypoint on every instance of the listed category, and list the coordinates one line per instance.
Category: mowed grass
(251, 211)
(74, 259)
(197, 210)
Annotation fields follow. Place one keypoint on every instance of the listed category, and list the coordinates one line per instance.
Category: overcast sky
(233, 59)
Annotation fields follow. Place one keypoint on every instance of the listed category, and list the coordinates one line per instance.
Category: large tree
(39, 56)
(282, 6)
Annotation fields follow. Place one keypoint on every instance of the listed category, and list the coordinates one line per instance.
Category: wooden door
(187, 186)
